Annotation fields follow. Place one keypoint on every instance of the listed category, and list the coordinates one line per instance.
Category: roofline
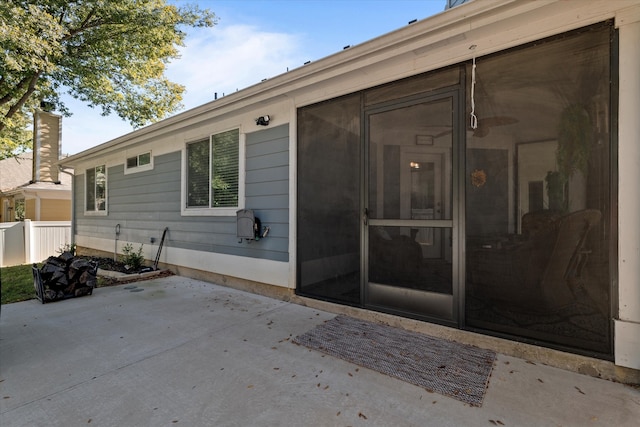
(432, 27)
(27, 188)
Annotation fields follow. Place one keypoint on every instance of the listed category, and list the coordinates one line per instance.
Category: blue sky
(254, 40)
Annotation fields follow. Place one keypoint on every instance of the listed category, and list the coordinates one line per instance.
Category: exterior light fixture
(263, 120)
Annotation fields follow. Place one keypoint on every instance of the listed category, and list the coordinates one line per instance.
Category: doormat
(456, 370)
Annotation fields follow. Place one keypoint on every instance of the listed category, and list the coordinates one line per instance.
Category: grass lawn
(17, 283)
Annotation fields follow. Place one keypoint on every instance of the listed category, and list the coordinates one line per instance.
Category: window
(139, 163)
(213, 172)
(96, 190)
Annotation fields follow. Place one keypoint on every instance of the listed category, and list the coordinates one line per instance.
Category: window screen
(224, 184)
(198, 174)
(213, 171)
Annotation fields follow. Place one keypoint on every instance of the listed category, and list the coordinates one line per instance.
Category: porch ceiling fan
(434, 131)
(483, 129)
(485, 125)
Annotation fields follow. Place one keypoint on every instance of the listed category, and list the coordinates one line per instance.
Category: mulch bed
(105, 263)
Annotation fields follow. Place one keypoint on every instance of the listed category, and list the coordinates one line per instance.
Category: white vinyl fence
(32, 241)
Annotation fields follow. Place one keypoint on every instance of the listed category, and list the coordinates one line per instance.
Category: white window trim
(227, 211)
(106, 193)
(136, 169)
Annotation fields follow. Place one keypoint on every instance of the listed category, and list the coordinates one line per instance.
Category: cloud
(226, 59)
(87, 128)
(218, 59)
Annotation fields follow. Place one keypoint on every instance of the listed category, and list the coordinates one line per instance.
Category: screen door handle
(365, 216)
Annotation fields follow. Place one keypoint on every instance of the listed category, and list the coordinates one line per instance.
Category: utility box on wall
(248, 225)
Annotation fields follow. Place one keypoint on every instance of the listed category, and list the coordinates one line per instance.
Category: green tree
(107, 53)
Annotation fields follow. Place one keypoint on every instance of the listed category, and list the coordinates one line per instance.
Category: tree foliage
(108, 54)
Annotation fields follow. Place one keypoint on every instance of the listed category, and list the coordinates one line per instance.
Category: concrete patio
(186, 352)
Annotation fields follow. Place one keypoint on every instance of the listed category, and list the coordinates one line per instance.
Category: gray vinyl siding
(142, 203)
(145, 203)
(267, 187)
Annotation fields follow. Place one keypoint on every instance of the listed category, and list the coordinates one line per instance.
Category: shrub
(130, 258)
(67, 247)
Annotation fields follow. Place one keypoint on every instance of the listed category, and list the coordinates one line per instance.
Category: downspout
(73, 205)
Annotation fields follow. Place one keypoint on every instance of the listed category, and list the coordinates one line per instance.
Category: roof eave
(435, 26)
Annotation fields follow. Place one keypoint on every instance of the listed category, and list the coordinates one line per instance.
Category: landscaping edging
(116, 277)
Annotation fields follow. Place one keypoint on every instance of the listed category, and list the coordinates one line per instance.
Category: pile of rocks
(65, 276)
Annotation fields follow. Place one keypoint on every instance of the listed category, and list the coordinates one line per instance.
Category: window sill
(95, 213)
(210, 211)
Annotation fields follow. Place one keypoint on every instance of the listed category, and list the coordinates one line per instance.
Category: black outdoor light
(263, 120)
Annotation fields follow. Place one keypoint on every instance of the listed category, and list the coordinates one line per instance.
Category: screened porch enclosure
(538, 193)
(329, 200)
(506, 227)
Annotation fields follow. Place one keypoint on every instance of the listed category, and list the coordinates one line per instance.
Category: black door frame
(434, 309)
